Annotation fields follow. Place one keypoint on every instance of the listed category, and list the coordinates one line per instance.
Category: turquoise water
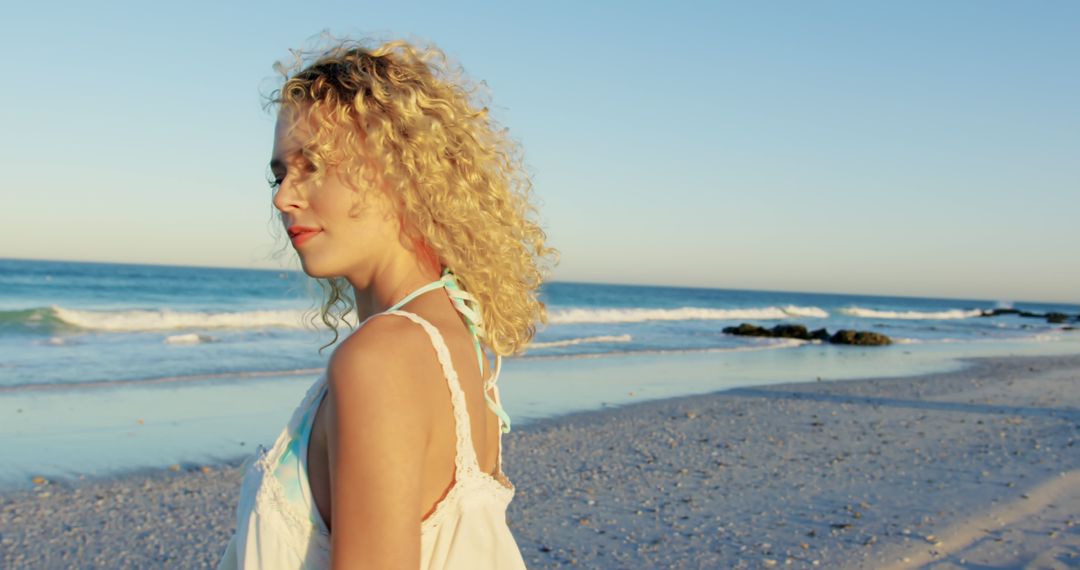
(108, 367)
(64, 323)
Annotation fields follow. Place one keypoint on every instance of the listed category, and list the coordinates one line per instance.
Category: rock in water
(747, 329)
(798, 331)
(790, 331)
(865, 338)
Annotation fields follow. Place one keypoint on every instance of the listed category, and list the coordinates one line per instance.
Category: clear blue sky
(911, 148)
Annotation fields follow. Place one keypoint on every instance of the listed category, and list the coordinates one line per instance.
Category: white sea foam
(758, 345)
(190, 338)
(951, 340)
(796, 311)
(583, 340)
(181, 379)
(637, 315)
(911, 315)
(168, 319)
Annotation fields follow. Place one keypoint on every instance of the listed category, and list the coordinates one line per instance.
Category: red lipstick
(300, 234)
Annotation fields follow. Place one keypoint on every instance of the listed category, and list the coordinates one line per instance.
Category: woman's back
(279, 524)
(426, 370)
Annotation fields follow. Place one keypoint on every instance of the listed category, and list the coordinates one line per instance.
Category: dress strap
(465, 457)
(459, 297)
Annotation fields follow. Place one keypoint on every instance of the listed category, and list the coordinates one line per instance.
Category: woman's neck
(389, 287)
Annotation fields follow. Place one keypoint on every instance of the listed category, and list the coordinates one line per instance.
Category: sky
(917, 148)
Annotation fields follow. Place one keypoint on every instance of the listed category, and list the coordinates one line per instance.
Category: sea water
(108, 367)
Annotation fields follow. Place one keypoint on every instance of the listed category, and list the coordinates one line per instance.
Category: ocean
(106, 367)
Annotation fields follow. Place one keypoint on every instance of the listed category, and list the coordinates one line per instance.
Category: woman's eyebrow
(279, 164)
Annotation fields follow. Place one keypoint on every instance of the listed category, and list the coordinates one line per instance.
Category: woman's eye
(272, 177)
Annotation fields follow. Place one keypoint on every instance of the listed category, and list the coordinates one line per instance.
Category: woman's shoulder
(373, 375)
(386, 343)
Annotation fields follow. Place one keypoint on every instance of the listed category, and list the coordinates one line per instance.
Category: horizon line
(564, 281)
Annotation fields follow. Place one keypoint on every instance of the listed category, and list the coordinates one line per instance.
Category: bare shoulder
(376, 438)
(384, 335)
(377, 363)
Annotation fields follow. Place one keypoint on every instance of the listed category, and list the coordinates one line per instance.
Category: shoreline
(100, 432)
(848, 472)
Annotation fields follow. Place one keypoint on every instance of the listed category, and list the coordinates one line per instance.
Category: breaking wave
(911, 315)
(51, 319)
(583, 340)
(637, 315)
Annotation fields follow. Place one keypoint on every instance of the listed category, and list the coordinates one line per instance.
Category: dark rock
(865, 338)
(996, 312)
(778, 331)
(790, 331)
(1052, 317)
(747, 329)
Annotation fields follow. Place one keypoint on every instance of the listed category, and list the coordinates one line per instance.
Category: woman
(397, 191)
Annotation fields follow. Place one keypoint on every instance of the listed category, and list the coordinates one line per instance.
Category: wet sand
(966, 469)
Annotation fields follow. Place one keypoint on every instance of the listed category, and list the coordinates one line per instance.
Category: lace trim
(465, 460)
(488, 487)
(468, 475)
(271, 494)
(469, 479)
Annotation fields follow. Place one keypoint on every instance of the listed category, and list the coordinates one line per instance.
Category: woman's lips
(299, 235)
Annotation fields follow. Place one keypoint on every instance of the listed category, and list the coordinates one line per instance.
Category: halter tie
(459, 297)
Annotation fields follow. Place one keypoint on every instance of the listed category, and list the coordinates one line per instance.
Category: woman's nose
(287, 197)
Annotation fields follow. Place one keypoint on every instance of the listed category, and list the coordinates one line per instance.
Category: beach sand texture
(977, 468)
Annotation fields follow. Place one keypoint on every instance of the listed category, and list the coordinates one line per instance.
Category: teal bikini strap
(414, 294)
(476, 327)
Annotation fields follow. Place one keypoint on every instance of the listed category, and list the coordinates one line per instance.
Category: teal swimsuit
(291, 469)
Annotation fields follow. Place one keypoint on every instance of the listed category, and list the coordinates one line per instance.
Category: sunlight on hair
(405, 115)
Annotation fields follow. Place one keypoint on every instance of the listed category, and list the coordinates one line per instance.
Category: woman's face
(353, 229)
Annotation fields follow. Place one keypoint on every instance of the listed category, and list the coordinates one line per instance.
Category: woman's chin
(314, 270)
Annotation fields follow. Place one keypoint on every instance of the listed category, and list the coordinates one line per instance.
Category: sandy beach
(972, 469)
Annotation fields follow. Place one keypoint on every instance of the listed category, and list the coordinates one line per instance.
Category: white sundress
(278, 522)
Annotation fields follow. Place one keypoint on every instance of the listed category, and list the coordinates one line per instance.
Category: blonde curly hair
(459, 183)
